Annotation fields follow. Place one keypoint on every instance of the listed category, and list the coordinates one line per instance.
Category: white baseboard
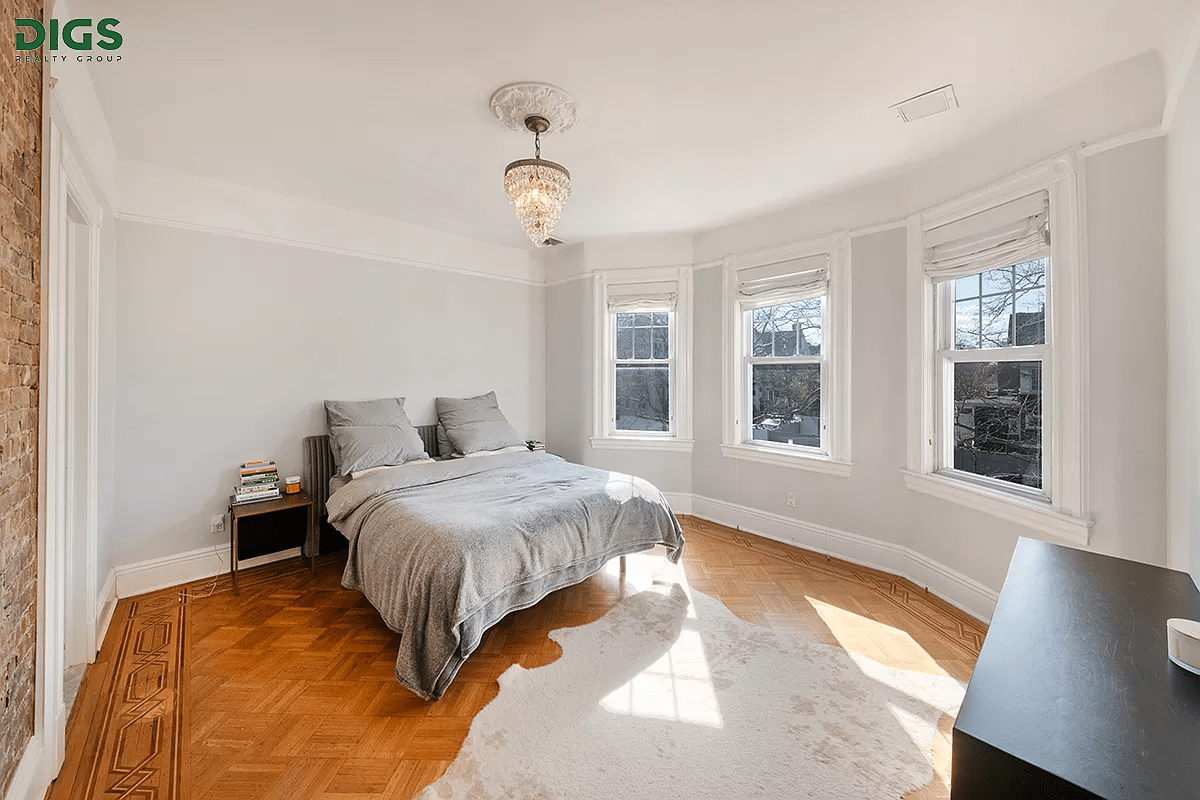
(107, 603)
(207, 562)
(30, 781)
(680, 503)
(953, 587)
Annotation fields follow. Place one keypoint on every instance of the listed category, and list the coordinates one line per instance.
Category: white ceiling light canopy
(537, 188)
(927, 104)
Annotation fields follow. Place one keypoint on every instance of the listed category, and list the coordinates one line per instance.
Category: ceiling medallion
(537, 188)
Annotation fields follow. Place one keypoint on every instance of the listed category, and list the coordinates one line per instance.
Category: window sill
(764, 455)
(671, 444)
(1039, 516)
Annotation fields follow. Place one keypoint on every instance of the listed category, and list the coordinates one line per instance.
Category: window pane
(786, 403)
(625, 343)
(793, 327)
(659, 318)
(1030, 320)
(996, 312)
(641, 343)
(641, 320)
(785, 343)
(763, 343)
(661, 341)
(624, 320)
(643, 397)
(966, 287)
(966, 324)
(997, 280)
(1029, 275)
(998, 420)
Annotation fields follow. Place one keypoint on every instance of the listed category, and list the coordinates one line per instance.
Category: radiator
(318, 464)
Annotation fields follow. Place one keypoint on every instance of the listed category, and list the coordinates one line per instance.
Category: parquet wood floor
(286, 690)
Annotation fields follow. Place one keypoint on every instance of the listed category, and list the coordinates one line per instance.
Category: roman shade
(796, 279)
(628, 298)
(1007, 234)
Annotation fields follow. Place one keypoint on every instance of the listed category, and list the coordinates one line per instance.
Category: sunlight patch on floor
(875, 640)
(647, 570)
(677, 687)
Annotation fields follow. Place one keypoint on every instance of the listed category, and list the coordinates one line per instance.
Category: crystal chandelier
(537, 188)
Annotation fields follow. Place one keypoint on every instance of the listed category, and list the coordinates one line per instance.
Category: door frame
(67, 185)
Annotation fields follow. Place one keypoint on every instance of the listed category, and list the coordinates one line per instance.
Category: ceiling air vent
(928, 104)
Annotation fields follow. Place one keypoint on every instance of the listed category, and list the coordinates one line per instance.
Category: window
(997, 404)
(642, 364)
(787, 379)
(994, 366)
(785, 363)
(642, 372)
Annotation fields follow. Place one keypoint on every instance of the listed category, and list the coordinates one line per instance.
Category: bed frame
(318, 464)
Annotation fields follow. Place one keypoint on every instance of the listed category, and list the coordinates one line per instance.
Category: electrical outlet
(218, 523)
(792, 499)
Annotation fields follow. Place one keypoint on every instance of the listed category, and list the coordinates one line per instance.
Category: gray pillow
(371, 433)
(445, 449)
(475, 423)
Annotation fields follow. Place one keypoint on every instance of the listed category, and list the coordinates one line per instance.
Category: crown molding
(159, 196)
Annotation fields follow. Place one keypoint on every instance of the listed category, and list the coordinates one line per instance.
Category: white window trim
(1063, 517)
(604, 436)
(836, 386)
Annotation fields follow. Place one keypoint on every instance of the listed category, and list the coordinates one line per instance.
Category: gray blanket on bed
(445, 549)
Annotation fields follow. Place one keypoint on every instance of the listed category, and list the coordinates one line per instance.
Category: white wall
(1183, 319)
(226, 348)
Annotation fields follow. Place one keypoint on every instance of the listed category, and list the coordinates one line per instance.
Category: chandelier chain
(537, 145)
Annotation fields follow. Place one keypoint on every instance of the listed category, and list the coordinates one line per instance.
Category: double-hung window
(996, 353)
(787, 382)
(992, 349)
(642, 357)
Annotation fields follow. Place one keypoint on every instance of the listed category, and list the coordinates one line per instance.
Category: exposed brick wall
(20, 316)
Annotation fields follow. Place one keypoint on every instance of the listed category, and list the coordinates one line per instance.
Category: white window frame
(1059, 511)
(833, 458)
(605, 435)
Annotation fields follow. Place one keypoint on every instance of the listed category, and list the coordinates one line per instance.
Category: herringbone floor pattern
(286, 690)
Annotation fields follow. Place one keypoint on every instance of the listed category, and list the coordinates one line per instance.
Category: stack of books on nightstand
(259, 481)
(535, 445)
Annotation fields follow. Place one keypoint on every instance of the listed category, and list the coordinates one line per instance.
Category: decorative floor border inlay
(141, 750)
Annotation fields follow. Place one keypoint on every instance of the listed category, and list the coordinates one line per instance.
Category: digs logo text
(76, 34)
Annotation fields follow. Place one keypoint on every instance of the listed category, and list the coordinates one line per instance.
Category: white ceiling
(692, 113)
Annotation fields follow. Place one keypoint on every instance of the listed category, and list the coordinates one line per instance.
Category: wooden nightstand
(282, 504)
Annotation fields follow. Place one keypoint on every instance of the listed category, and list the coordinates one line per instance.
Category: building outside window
(642, 369)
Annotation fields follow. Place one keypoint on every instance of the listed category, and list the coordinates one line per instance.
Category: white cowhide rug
(666, 697)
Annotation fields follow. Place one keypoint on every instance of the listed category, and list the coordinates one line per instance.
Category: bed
(444, 549)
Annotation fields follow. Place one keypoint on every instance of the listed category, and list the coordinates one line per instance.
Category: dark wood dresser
(1073, 695)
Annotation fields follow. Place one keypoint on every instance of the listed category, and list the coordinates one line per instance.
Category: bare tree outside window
(997, 407)
(786, 360)
(643, 372)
